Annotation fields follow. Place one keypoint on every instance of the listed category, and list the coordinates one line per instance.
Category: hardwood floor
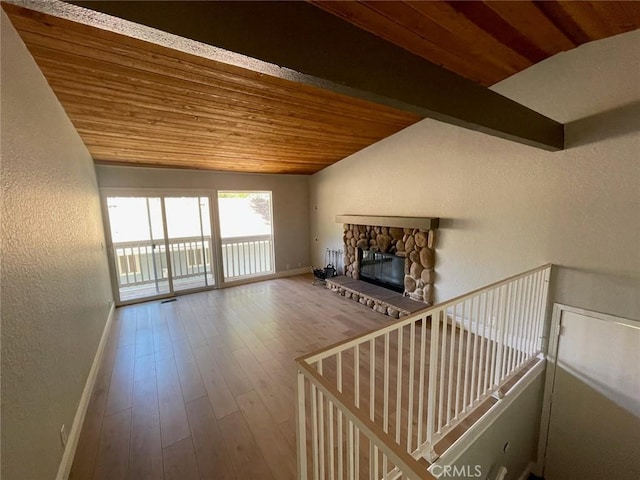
(204, 387)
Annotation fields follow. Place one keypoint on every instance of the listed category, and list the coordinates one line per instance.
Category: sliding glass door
(160, 245)
(137, 247)
(190, 245)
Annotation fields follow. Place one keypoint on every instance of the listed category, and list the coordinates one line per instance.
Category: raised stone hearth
(379, 299)
(415, 242)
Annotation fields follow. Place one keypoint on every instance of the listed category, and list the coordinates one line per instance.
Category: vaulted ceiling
(138, 102)
(488, 41)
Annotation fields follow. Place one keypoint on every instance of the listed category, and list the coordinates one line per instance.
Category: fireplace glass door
(382, 269)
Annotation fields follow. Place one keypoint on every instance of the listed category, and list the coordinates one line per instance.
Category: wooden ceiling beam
(318, 49)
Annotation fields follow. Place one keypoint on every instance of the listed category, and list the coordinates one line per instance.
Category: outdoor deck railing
(143, 262)
(375, 406)
(247, 256)
(140, 263)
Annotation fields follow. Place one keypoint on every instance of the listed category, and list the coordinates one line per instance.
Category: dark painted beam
(334, 54)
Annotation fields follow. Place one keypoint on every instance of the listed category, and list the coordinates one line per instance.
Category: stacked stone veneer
(417, 247)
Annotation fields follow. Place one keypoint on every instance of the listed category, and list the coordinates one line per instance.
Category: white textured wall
(508, 207)
(290, 200)
(55, 282)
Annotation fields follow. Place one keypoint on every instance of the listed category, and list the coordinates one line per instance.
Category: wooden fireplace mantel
(421, 223)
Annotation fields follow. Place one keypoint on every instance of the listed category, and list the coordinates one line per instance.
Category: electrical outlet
(63, 435)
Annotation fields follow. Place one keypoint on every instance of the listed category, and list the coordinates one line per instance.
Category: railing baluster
(339, 387)
(512, 339)
(340, 449)
(502, 326)
(372, 378)
(246, 258)
(236, 259)
(357, 452)
(506, 332)
(544, 279)
(459, 362)
(256, 257)
(521, 323)
(356, 401)
(485, 345)
(332, 463)
(412, 340)
(443, 365)
(465, 387)
(189, 255)
(376, 474)
(432, 426)
(135, 259)
(147, 256)
(385, 396)
(515, 320)
(350, 452)
(496, 336)
(475, 364)
(531, 316)
(524, 333)
(260, 256)
(539, 313)
(356, 375)
(399, 386)
(451, 357)
(250, 246)
(423, 341)
(321, 424)
(301, 419)
(314, 430)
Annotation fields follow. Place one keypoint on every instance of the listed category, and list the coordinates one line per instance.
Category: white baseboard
(271, 276)
(74, 434)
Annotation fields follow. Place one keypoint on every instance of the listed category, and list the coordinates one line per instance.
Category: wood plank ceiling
(488, 41)
(138, 103)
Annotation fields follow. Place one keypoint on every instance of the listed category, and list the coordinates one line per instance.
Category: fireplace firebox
(382, 269)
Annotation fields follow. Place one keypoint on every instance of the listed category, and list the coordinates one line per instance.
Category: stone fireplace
(375, 247)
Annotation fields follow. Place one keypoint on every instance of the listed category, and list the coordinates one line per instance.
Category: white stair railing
(412, 382)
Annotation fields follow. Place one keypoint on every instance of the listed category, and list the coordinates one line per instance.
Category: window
(246, 233)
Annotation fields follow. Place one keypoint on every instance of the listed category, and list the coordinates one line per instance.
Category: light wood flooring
(204, 387)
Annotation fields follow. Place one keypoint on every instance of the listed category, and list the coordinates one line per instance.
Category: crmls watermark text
(457, 471)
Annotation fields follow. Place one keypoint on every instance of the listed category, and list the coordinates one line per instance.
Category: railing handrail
(250, 238)
(160, 241)
(408, 465)
(401, 323)
(224, 240)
